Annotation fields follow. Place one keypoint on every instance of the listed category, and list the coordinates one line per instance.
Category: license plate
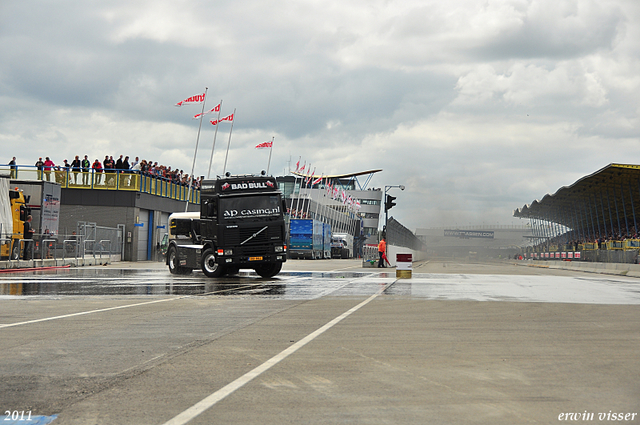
(255, 258)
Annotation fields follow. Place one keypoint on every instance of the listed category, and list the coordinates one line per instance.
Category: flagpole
(193, 166)
(309, 189)
(270, 150)
(294, 211)
(229, 142)
(214, 140)
(298, 215)
(318, 203)
(295, 182)
(306, 184)
(299, 189)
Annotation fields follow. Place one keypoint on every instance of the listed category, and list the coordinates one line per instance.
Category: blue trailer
(307, 239)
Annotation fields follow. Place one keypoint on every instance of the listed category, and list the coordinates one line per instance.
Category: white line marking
(228, 389)
(45, 319)
(85, 312)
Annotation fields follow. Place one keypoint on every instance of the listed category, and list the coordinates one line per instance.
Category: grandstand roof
(338, 176)
(342, 177)
(610, 194)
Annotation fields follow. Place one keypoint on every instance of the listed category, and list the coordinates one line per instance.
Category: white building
(308, 200)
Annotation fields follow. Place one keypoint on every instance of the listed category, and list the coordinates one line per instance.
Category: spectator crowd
(108, 166)
(600, 240)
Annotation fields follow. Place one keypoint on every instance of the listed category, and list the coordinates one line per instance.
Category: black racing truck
(240, 225)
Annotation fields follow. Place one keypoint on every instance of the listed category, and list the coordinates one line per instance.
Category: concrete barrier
(393, 250)
(621, 269)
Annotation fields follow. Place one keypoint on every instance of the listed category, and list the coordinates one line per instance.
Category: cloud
(532, 85)
(476, 107)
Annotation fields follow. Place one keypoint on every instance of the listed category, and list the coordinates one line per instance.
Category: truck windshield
(246, 207)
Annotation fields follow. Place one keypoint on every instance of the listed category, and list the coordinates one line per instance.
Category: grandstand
(594, 219)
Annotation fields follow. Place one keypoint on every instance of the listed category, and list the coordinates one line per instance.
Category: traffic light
(388, 204)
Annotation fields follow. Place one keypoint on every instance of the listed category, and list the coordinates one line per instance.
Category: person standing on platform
(86, 166)
(39, 167)
(97, 171)
(48, 165)
(14, 168)
(75, 167)
(119, 165)
(126, 178)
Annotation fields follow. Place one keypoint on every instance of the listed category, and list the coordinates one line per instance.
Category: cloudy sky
(477, 107)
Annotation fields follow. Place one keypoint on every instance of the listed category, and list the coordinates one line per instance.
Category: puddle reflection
(111, 282)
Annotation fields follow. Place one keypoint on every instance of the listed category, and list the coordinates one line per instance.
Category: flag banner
(198, 98)
(264, 145)
(298, 164)
(310, 176)
(318, 180)
(227, 118)
(216, 109)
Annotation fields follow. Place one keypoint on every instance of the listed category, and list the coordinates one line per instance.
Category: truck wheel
(172, 261)
(209, 265)
(269, 270)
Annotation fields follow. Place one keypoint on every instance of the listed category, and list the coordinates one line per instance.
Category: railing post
(93, 249)
(43, 253)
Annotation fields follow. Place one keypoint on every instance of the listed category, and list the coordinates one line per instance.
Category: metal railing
(127, 180)
(47, 246)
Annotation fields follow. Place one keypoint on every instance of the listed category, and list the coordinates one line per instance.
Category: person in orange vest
(382, 249)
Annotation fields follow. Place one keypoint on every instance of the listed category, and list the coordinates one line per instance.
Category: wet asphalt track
(455, 344)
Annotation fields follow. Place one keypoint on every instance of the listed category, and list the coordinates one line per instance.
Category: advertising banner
(465, 234)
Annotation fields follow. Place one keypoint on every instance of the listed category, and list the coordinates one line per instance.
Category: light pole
(388, 204)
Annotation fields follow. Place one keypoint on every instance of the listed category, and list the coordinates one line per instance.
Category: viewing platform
(113, 180)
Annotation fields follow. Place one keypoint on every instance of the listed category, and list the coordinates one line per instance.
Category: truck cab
(341, 246)
(240, 225)
(13, 229)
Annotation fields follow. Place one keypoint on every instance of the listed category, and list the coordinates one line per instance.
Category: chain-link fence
(94, 239)
(88, 240)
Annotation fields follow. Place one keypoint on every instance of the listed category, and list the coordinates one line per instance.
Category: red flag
(264, 145)
(311, 175)
(198, 98)
(318, 180)
(216, 109)
(298, 164)
(227, 118)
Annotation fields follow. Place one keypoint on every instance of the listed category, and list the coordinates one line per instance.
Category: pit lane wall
(629, 256)
(401, 240)
(621, 269)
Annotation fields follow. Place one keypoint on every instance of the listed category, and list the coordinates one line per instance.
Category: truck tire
(209, 265)
(268, 270)
(172, 262)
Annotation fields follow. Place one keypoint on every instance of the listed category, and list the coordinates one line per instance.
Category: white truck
(341, 245)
